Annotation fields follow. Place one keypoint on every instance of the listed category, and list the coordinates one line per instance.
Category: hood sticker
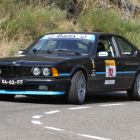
(110, 68)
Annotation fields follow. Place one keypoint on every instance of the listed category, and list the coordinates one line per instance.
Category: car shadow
(94, 98)
(108, 97)
(58, 100)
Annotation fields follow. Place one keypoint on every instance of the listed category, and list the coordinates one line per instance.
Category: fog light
(43, 87)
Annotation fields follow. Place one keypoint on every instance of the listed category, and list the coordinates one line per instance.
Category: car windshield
(54, 44)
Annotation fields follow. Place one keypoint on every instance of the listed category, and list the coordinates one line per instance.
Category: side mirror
(21, 51)
(103, 54)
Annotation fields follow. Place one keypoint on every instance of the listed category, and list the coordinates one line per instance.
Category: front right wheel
(134, 93)
(77, 90)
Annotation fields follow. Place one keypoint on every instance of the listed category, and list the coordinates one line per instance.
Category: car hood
(38, 58)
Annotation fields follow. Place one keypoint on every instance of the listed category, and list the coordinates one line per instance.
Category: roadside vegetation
(23, 21)
(110, 21)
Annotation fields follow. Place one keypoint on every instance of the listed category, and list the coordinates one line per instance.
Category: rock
(74, 7)
(127, 8)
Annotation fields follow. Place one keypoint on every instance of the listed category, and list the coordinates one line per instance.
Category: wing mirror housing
(21, 51)
(103, 54)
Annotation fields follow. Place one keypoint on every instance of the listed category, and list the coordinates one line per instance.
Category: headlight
(36, 71)
(46, 71)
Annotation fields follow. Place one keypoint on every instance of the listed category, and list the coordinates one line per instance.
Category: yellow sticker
(93, 65)
(110, 63)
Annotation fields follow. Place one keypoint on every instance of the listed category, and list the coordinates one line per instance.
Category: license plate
(12, 82)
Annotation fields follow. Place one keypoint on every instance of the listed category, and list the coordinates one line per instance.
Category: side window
(38, 44)
(105, 44)
(126, 49)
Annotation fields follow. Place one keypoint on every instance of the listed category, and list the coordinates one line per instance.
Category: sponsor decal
(126, 63)
(83, 36)
(93, 75)
(66, 36)
(103, 54)
(93, 63)
(110, 68)
(93, 71)
(109, 82)
(50, 36)
(126, 53)
(76, 36)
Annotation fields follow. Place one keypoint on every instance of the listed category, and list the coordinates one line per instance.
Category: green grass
(32, 21)
(23, 23)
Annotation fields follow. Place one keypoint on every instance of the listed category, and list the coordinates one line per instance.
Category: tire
(134, 93)
(77, 89)
(8, 97)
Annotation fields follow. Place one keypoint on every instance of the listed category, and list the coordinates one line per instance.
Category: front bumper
(56, 86)
(32, 92)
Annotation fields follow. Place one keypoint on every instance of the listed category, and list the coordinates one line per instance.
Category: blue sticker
(93, 38)
(44, 37)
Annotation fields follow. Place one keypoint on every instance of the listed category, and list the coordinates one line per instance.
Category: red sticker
(110, 72)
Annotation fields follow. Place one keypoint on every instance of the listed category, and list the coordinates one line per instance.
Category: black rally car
(72, 64)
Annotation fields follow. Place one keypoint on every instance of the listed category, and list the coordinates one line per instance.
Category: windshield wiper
(62, 50)
(73, 52)
(50, 50)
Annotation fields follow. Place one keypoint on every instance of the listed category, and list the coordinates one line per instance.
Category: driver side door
(108, 67)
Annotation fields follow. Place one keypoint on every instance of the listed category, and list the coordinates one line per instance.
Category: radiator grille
(4, 71)
(14, 70)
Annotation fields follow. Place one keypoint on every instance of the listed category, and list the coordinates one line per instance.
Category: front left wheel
(77, 90)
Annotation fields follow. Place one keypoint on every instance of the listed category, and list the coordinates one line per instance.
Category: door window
(105, 44)
(126, 49)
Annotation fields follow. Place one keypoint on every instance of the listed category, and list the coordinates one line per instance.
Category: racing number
(110, 72)
(110, 68)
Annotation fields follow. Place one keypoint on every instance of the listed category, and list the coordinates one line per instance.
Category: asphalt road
(104, 116)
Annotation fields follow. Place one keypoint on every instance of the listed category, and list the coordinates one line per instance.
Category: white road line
(111, 104)
(37, 116)
(79, 107)
(52, 112)
(93, 137)
(53, 128)
(36, 122)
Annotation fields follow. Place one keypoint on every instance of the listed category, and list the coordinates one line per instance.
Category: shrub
(32, 21)
(108, 21)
